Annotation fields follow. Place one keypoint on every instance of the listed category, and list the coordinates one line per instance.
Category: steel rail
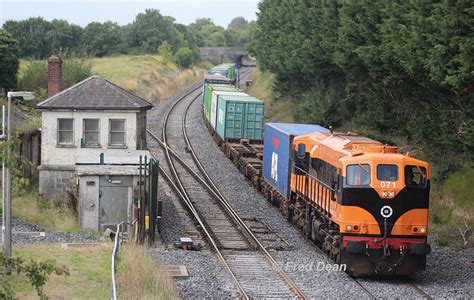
(235, 215)
(420, 291)
(180, 189)
(184, 195)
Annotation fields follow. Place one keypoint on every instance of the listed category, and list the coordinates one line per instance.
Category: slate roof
(95, 93)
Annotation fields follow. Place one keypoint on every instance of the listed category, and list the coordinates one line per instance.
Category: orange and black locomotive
(362, 201)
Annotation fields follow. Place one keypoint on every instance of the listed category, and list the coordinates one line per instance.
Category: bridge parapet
(224, 54)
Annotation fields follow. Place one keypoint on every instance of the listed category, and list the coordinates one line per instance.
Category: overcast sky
(82, 12)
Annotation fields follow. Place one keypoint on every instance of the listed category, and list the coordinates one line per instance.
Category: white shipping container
(215, 97)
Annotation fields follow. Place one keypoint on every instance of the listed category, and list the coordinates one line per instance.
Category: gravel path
(449, 273)
(26, 233)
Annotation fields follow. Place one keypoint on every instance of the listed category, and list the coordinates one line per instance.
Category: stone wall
(55, 181)
(223, 54)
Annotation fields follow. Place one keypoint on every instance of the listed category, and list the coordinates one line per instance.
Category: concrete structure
(92, 139)
(218, 55)
(93, 116)
(106, 192)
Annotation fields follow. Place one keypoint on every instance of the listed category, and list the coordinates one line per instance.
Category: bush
(36, 272)
(165, 51)
(185, 57)
(35, 77)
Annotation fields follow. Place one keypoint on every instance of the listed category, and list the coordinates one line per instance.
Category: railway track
(250, 265)
(372, 286)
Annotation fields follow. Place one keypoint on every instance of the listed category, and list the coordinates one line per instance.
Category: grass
(280, 110)
(452, 210)
(89, 269)
(139, 277)
(48, 214)
(149, 76)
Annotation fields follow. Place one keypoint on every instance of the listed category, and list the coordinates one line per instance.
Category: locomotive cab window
(387, 172)
(358, 175)
(301, 151)
(415, 176)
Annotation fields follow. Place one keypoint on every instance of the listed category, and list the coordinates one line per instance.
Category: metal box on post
(278, 139)
(239, 117)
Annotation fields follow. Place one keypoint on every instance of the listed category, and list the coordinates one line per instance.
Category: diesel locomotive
(363, 203)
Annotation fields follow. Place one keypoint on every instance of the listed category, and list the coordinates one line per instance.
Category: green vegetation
(149, 76)
(37, 273)
(39, 38)
(261, 88)
(88, 268)
(238, 33)
(48, 214)
(139, 277)
(185, 57)
(397, 71)
(452, 209)
(153, 77)
(9, 55)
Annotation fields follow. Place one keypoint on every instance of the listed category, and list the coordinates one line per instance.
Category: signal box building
(92, 137)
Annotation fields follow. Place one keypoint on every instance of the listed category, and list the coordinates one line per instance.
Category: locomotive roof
(343, 144)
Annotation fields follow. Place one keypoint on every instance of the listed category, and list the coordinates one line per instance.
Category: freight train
(363, 203)
(227, 70)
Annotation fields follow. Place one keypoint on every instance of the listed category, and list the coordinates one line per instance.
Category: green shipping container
(229, 70)
(240, 117)
(207, 96)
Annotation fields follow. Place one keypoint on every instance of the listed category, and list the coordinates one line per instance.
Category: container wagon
(207, 94)
(228, 70)
(239, 117)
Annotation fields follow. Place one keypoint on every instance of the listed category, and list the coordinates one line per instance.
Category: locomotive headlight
(422, 229)
(384, 194)
(391, 194)
(348, 227)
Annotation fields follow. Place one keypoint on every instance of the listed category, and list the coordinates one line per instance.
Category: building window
(65, 131)
(116, 132)
(91, 132)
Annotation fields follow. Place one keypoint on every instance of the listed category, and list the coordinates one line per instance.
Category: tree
(150, 29)
(186, 57)
(165, 51)
(395, 67)
(65, 37)
(34, 35)
(101, 39)
(238, 23)
(200, 23)
(9, 60)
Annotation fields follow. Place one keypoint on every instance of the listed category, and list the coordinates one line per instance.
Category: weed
(139, 277)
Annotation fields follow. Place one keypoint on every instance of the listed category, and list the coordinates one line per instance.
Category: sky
(82, 12)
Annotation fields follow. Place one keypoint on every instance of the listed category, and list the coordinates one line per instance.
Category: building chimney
(55, 75)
